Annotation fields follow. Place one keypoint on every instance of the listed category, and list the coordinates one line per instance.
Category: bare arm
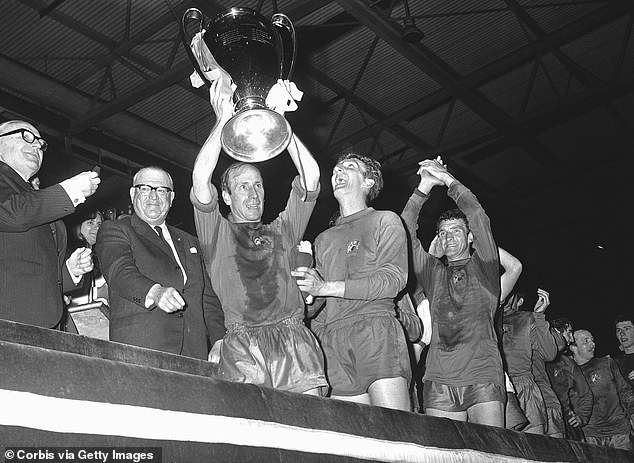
(207, 158)
(304, 163)
(512, 271)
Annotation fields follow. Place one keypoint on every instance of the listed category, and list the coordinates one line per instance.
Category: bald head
(583, 347)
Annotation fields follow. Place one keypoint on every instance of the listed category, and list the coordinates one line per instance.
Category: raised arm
(207, 158)
(541, 337)
(512, 271)
(304, 163)
(410, 214)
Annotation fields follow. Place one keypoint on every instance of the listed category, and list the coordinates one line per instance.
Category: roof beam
(590, 22)
(453, 84)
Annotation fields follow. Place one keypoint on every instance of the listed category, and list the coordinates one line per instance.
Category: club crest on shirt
(353, 247)
(458, 275)
(595, 377)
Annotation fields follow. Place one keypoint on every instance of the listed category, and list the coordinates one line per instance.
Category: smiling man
(613, 397)
(159, 291)
(249, 264)
(463, 374)
(361, 266)
(33, 272)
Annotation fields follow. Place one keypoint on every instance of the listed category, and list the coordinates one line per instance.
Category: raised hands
(433, 172)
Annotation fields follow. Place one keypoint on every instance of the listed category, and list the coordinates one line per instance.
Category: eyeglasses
(28, 137)
(162, 191)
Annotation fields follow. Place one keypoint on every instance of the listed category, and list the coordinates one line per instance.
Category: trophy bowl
(252, 49)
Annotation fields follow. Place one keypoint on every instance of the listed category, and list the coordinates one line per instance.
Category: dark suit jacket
(32, 251)
(133, 258)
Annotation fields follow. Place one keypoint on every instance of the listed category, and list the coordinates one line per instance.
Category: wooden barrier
(63, 390)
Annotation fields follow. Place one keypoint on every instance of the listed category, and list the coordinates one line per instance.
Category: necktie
(159, 230)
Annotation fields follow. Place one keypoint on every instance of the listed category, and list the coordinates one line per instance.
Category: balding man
(33, 269)
(613, 397)
(159, 291)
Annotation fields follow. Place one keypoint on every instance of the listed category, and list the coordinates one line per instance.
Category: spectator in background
(83, 233)
(625, 336)
(569, 383)
(555, 426)
(613, 397)
(34, 271)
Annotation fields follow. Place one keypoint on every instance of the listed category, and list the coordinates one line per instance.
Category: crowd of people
(236, 295)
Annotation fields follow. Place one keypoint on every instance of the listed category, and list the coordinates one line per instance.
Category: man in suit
(33, 268)
(159, 291)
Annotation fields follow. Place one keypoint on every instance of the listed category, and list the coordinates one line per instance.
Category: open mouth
(339, 182)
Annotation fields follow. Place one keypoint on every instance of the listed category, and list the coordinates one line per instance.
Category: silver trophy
(252, 51)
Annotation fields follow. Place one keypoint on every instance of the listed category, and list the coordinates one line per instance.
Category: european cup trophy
(255, 52)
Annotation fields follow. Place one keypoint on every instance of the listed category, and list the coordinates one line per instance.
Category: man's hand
(311, 282)
(80, 262)
(574, 420)
(437, 169)
(543, 301)
(435, 248)
(87, 182)
(220, 101)
(282, 97)
(214, 353)
(428, 180)
(168, 299)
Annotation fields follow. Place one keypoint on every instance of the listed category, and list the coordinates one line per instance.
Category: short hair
(227, 175)
(372, 171)
(624, 318)
(561, 323)
(160, 169)
(452, 214)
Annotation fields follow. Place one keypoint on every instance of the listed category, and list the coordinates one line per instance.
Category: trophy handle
(281, 21)
(190, 15)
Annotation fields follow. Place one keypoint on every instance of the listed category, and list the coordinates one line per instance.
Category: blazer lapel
(144, 229)
(179, 244)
